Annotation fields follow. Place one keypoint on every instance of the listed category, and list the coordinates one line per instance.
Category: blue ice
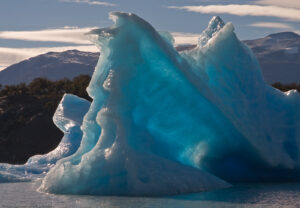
(163, 122)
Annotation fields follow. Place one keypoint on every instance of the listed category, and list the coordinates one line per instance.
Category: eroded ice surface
(161, 122)
(68, 118)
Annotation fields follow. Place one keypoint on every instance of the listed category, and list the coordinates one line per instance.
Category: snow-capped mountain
(278, 54)
(52, 65)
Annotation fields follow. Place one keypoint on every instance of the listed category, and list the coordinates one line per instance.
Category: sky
(32, 27)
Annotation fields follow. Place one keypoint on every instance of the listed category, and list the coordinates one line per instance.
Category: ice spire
(214, 26)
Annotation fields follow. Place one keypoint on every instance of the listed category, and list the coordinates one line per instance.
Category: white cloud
(281, 3)
(185, 38)
(271, 25)
(245, 10)
(100, 3)
(9, 56)
(65, 35)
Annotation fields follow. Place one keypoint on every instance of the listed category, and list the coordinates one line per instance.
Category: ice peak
(216, 23)
(214, 26)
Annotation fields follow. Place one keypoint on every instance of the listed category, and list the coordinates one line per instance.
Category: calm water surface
(253, 195)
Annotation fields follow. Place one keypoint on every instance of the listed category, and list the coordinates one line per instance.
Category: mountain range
(278, 54)
(52, 65)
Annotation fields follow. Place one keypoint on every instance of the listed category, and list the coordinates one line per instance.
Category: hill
(279, 56)
(52, 65)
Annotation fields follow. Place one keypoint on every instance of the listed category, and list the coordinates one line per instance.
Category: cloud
(185, 38)
(66, 35)
(281, 3)
(271, 25)
(292, 14)
(99, 3)
(9, 56)
(76, 35)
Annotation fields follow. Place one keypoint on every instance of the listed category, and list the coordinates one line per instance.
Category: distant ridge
(284, 35)
(52, 65)
(278, 54)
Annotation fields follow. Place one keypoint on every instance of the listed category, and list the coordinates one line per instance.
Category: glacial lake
(245, 195)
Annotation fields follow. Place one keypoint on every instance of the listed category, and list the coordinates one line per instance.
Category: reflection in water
(248, 195)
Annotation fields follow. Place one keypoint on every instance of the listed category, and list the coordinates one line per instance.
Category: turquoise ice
(163, 122)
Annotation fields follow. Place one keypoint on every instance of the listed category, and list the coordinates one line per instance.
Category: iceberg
(68, 118)
(163, 122)
(141, 121)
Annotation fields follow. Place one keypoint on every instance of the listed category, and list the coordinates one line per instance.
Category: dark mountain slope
(279, 56)
(52, 65)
